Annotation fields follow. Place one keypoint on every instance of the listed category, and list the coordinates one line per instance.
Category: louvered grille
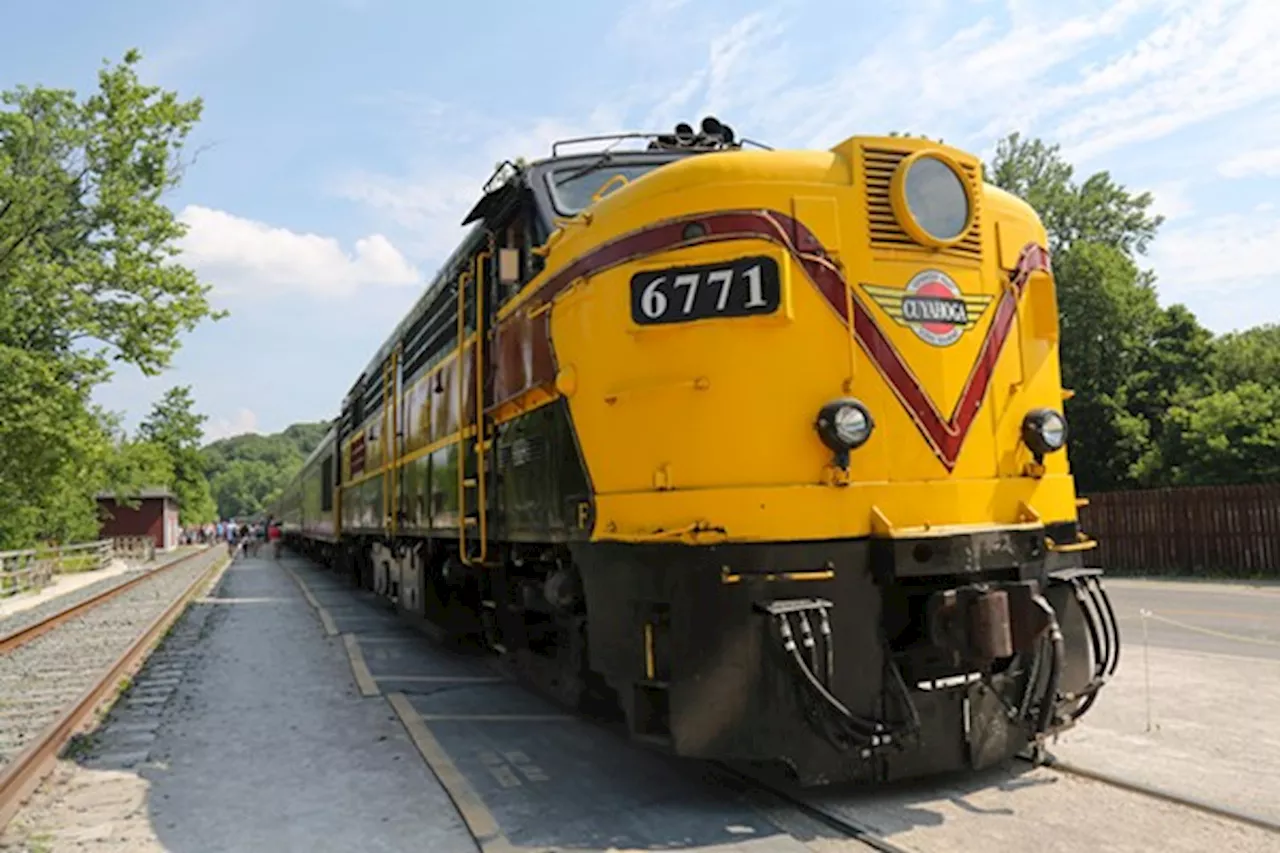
(878, 165)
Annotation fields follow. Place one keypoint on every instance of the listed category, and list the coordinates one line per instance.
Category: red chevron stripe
(945, 435)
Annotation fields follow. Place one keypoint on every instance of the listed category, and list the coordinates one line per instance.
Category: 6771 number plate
(737, 288)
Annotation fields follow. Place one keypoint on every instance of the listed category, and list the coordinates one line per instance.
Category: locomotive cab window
(574, 188)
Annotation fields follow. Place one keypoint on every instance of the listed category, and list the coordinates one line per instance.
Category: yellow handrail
(462, 427)
(393, 442)
(481, 437)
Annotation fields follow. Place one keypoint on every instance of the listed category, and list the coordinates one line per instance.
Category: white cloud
(241, 256)
(430, 201)
(1213, 59)
(1259, 161)
(1171, 201)
(1096, 76)
(243, 421)
(1213, 263)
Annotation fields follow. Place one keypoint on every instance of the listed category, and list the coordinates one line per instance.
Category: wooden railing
(34, 568)
(139, 549)
(1195, 531)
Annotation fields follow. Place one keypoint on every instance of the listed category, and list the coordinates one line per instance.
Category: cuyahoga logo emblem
(932, 306)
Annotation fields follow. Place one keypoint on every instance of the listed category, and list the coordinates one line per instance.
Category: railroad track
(1157, 793)
(56, 673)
(26, 625)
(775, 801)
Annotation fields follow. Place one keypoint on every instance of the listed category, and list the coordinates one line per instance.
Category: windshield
(572, 187)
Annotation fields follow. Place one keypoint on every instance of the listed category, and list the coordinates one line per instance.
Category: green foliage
(138, 465)
(247, 472)
(86, 246)
(175, 426)
(1228, 436)
(53, 446)
(1249, 356)
(1158, 400)
(1097, 211)
(87, 276)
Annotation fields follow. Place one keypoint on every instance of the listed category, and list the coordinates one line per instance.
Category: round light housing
(1044, 431)
(931, 199)
(844, 425)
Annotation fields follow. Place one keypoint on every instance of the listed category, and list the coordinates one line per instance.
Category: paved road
(1225, 619)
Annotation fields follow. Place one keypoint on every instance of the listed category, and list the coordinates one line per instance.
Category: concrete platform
(292, 712)
(263, 743)
(1194, 708)
(526, 775)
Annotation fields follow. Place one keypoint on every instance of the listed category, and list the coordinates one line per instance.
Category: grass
(80, 745)
(40, 843)
(79, 563)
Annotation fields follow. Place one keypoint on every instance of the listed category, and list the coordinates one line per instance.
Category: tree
(246, 471)
(1171, 370)
(1097, 211)
(1249, 356)
(1158, 400)
(52, 449)
(1107, 317)
(1228, 436)
(87, 276)
(174, 426)
(1109, 314)
(137, 465)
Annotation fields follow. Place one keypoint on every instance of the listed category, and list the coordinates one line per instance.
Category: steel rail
(21, 777)
(22, 636)
(848, 827)
(1155, 792)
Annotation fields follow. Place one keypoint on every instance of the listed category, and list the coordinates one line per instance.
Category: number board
(736, 288)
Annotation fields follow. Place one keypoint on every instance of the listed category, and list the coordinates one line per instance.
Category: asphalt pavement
(1236, 619)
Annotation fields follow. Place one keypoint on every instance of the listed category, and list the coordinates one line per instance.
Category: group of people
(243, 537)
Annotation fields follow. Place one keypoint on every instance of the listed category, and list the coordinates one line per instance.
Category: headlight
(844, 425)
(931, 200)
(1044, 431)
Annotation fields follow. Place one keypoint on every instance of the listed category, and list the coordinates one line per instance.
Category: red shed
(156, 515)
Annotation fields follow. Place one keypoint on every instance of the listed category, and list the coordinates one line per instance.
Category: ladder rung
(471, 482)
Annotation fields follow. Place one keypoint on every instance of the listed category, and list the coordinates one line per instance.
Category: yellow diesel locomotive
(764, 448)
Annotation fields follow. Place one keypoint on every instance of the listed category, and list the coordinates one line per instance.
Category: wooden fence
(1198, 530)
(32, 570)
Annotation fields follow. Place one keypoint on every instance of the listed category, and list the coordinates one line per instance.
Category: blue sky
(343, 140)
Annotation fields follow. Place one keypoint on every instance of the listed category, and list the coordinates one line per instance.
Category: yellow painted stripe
(325, 619)
(451, 438)
(360, 669)
(364, 478)
(480, 821)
